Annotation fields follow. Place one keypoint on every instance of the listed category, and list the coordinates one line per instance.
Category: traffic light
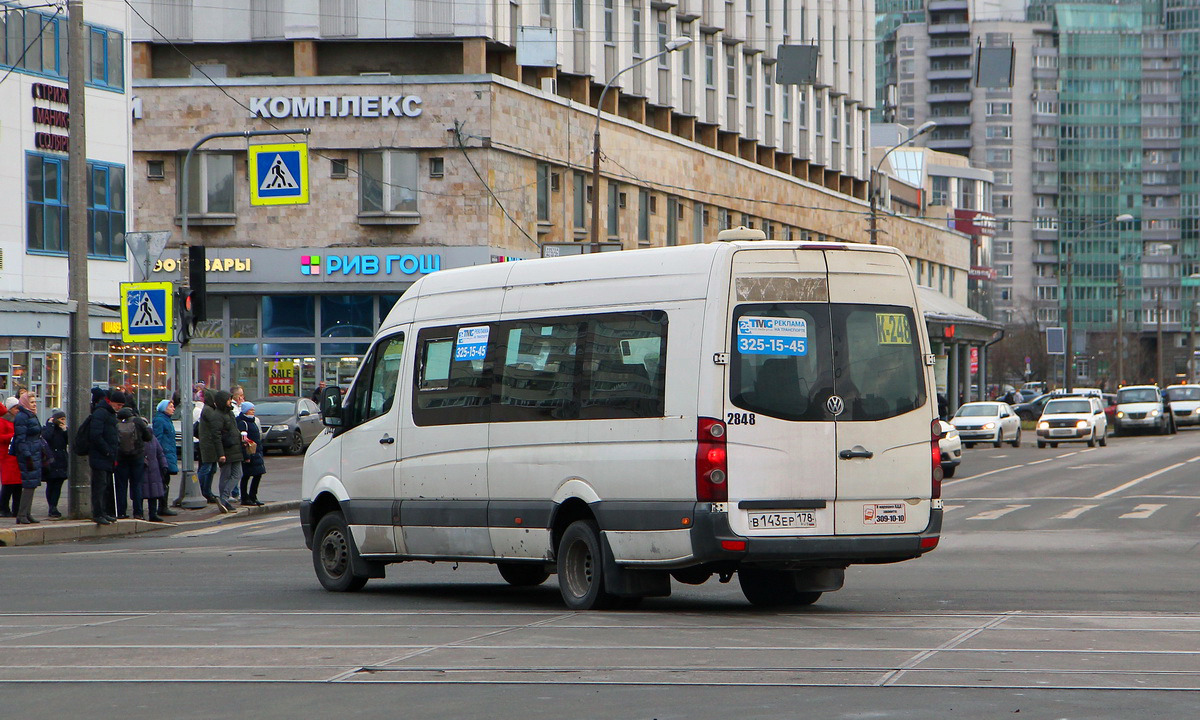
(187, 314)
(197, 279)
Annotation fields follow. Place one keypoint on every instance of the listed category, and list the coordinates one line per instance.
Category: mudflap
(625, 582)
(363, 567)
(819, 579)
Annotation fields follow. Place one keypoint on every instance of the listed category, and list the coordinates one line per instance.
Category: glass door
(209, 371)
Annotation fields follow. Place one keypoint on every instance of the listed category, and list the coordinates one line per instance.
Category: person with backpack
(164, 432)
(10, 471)
(55, 435)
(27, 446)
(132, 436)
(102, 446)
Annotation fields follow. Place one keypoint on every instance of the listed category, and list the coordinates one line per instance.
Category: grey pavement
(279, 489)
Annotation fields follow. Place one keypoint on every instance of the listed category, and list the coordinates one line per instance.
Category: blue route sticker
(772, 336)
(472, 343)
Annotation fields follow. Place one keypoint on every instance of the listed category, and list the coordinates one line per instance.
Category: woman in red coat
(10, 471)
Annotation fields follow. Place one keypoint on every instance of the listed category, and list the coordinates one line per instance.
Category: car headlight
(990, 426)
(1043, 425)
(1153, 413)
(1081, 424)
(1120, 414)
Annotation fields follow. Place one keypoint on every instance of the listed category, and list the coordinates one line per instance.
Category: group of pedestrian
(132, 459)
(230, 449)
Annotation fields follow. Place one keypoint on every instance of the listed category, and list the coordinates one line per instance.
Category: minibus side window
(625, 373)
(375, 391)
(877, 358)
(541, 369)
(453, 376)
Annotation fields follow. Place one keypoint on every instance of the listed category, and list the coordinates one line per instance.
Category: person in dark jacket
(164, 432)
(131, 463)
(230, 459)
(27, 443)
(153, 488)
(103, 446)
(55, 434)
(253, 466)
(10, 472)
(209, 441)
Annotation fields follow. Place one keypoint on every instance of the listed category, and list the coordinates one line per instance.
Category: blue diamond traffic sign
(279, 174)
(146, 312)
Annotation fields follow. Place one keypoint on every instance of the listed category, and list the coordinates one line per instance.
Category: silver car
(288, 423)
(993, 422)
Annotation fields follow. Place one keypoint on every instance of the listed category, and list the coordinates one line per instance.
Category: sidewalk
(279, 489)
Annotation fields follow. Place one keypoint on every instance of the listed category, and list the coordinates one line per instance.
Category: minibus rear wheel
(332, 549)
(523, 574)
(773, 588)
(581, 568)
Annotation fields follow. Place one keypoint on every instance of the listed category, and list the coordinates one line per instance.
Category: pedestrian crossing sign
(147, 312)
(279, 174)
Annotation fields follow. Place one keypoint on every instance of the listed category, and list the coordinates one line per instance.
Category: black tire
(332, 547)
(1104, 438)
(968, 445)
(948, 472)
(1054, 445)
(580, 561)
(1092, 439)
(1017, 440)
(773, 588)
(1174, 427)
(1041, 445)
(523, 574)
(297, 445)
(999, 438)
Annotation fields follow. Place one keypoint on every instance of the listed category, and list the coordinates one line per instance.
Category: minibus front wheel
(332, 555)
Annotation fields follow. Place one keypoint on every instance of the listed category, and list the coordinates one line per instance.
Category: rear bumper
(711, 530)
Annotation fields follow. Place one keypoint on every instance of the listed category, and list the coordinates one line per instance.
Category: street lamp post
(670, 47)
(873, 185)
(1070, 349)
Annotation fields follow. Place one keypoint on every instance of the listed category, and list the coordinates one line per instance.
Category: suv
(1184, 401)
(1073, 418)
(1141, 407)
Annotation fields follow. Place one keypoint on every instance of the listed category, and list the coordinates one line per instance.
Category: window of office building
(543, 192)
(643, 216)
(210, 183)
(32, 41)
(46, 206)
(388, 182)
(579, 196)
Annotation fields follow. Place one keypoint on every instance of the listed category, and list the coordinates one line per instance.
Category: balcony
(950, 144)
(946, 5)
(963, 96)
(951, 49)
(963, 73)
(1045, 259)
(950, 28)
(945, 120)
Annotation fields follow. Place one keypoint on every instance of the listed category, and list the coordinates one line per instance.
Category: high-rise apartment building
(1101, 120)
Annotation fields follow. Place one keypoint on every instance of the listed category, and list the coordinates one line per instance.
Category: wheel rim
(580, 568)
(335, 554)
(297, 443)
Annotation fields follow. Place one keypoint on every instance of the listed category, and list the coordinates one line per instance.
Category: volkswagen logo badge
(834, 405)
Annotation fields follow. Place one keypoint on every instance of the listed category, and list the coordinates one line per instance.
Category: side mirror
(305, 413)
(331, 407)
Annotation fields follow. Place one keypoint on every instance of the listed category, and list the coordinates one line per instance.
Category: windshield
(275, 408)
(978, 411)
(1185, 393)
(1136, 395)
(1064, 407)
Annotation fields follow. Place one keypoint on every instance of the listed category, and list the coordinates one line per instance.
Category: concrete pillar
(304, 58)
(475, 56)
(951, 377)
(142, 64)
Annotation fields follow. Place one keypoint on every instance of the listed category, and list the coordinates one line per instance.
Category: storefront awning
(942, 313)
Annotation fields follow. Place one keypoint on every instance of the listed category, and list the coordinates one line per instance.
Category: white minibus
(754, 408)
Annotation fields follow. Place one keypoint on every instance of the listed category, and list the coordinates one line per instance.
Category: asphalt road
(1065, 587)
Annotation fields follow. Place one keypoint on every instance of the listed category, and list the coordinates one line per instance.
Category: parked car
(993, 422)
(1109, 401)
(1073, 418)
(1032, 410)
(288, 423)
(1027, 394)
(1184, 401)
(950, 445)
(1142, 407)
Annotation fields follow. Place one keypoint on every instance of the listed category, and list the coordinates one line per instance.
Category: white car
(950, 446)
(993, 422)
(1073, 418)
(1185, 403)
(1141, 407)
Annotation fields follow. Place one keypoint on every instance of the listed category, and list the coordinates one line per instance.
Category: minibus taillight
(712, 475)
(936, 451)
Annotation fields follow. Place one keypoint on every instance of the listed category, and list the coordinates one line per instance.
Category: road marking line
(1074, 512)
(1066, 455)
(1039, 462)
(1143, 511)
(272, 531)
(993, 514)
(232, 526)
(1135, 481)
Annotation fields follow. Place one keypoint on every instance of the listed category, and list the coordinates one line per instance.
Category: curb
(50, 531)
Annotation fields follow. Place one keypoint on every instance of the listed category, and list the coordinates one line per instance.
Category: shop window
(347, 316)
(243, 316)
(388, 187)
(385, 305)
(288, 316)
(210, 185)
